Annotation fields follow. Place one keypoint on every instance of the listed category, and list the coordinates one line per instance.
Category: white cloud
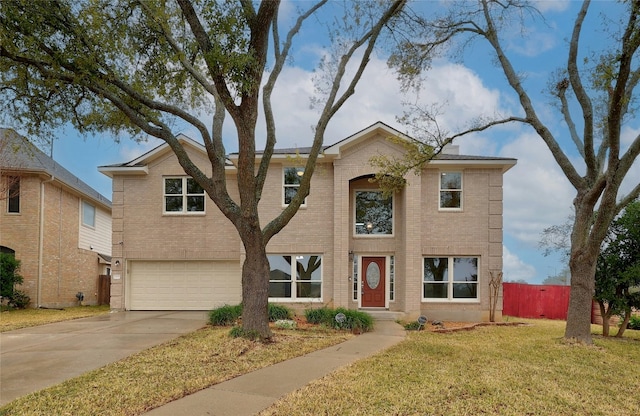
(552, 5)
(536, 192)
(514, 268)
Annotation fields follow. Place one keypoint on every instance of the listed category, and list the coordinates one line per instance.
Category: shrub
(9, 276)
(225, 315)
(279, 312)
(320, 315)
(354, 320)
(240, 332)
(228, 315)
(412, 326)
(19, 299)
(634, 322)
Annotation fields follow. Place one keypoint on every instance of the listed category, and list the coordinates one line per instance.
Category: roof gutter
(41, 240)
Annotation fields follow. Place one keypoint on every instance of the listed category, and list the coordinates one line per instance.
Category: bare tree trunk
(606, 316)
(583, 268)
(255, 284)
(625, 323)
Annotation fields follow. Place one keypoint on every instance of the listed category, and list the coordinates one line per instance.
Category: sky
(536, 193)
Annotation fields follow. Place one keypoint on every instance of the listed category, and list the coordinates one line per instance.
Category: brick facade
(325, 226)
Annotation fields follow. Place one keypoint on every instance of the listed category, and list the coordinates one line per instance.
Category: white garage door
(183, 285)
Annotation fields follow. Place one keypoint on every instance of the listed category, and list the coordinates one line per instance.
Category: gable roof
(140, 164)
(20, 155)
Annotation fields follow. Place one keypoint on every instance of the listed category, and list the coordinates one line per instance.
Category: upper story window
(450, 279)
(291, 180)
(13, 198)
(88, 214)
(183, 195)
(374, 213)
(451, 190)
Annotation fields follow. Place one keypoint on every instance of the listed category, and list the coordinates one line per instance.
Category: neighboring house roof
(20, 155)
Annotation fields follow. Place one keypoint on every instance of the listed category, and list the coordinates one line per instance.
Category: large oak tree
(594, 95)
(143, 67)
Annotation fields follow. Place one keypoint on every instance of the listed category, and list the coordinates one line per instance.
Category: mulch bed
(446, 326)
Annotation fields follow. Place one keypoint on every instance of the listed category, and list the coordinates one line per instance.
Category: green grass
(24, 318)
(520, 370)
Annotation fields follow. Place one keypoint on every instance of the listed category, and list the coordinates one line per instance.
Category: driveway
(34, 358)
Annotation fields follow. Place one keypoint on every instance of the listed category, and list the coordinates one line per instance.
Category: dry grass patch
(523, 370)
(167, 372)
(24, 318)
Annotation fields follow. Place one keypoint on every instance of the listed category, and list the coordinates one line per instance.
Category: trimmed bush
(19, 299)
(225, 315)
(354, 320)
(228, 315)
(634, 322)
(279, 312)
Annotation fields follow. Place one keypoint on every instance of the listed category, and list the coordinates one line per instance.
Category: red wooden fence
(535, 301)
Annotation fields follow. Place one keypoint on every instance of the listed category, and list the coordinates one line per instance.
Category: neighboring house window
(88, 214)
(291, 179)
(450, 278)
(374, 213)
(13, 198)
(451, 190)
(183, 195)
(295, 277)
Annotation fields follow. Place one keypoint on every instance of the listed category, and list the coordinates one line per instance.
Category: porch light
(369, 226)
(300, 172)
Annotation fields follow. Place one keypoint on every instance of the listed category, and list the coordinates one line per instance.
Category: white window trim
(461, 190)
(393, 216)
(289, 185)
(294, 280)
(82, 219)
(184, 198)
(450, 298)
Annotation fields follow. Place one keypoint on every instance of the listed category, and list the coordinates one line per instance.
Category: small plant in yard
(9, 278)
(285, 324)
(353, 320)
(634, 322)
(278, 312)
(412, 326)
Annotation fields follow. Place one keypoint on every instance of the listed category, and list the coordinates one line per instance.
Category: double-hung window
(291, 179)
(451, 190)
(450, 279)
(374, 213)
(13, 198)
(183, 195)
(295, 277)
(88, 214)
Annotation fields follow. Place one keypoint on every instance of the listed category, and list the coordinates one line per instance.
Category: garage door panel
(183, 285)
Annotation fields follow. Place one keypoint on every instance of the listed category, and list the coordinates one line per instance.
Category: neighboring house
(428, 250)
(55, 224)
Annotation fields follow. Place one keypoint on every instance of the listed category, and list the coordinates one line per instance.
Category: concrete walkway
(34, 358)
(250, 393)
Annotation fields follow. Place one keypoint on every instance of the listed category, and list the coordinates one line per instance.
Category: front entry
(373, 282)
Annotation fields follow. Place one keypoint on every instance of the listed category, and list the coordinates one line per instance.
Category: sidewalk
(250, 393)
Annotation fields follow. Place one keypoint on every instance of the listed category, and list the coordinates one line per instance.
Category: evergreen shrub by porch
(354, 320)
(634, 322)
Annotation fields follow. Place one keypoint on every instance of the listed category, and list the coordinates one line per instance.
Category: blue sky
(536, 194)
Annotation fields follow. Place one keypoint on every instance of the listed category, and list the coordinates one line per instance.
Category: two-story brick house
(54, 223)
(428, 249)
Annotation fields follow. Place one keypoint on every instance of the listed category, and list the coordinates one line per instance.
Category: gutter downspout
(41, 240)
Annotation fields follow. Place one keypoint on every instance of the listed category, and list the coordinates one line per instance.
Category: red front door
(373, 282)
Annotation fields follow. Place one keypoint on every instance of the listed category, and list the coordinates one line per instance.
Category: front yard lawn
(523, 370)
